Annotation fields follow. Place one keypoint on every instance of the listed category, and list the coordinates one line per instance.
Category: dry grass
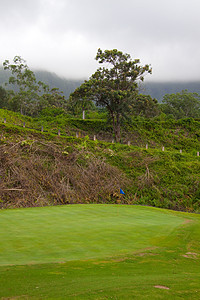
(147, 179)
(34, 173)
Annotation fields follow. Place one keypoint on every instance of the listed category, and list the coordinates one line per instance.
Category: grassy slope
(153, 177)
(112, 252)
(173, 134)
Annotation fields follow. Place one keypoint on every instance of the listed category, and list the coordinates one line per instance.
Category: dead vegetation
(36, 173)
(147, 179)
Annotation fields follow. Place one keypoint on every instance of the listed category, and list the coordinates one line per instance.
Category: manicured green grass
(62, 233)
(99, 252)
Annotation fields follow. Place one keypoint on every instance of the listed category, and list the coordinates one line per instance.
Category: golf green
(77, 232)
(99, 252)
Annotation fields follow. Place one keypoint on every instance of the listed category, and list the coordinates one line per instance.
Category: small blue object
(122, 192)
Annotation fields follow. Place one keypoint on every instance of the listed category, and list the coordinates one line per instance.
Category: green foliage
(182, 134)
(28, 88)
(144, 105)
(30, 95)
(161, 131)
(52, 112)
(54, 98)
(182, 105)
(97, 115)
(3, 98)
(76, 107)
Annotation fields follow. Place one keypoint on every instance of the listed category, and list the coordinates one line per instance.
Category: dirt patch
(110, 261)
(121, 259)
(15, 297)
(191, 255)
(146, 254)
(186, 221)
(161, 287)
(144, 249)
(102, 262)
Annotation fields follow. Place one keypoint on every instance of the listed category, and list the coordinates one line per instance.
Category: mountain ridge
(67, 86)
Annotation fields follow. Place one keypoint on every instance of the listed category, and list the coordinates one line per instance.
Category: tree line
(113, 88)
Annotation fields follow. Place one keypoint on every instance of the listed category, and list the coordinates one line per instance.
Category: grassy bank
(44, 168)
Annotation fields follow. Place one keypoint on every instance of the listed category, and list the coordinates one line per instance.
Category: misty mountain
(4, 76)
(159, 89)
(67, 86)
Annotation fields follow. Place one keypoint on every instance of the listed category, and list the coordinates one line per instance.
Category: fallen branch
(7, 190)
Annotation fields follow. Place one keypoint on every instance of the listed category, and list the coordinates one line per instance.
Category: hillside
(46, 168)
(67, 86)
(159, 89)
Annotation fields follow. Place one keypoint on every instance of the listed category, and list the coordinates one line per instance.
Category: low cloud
(63, 35)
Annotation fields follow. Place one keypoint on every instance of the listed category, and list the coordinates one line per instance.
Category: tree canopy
(182, 105)
(144, 105)
(30, 96)
(28, 88)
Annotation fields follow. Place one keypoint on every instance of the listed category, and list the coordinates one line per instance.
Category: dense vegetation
(44, 168)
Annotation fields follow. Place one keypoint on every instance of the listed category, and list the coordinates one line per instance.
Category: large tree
(113, 85)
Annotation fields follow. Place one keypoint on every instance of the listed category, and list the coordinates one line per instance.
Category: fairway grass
(99, 252)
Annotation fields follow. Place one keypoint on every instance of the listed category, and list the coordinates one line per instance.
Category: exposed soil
(161, 287)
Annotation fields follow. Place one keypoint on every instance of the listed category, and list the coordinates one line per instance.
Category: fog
(63, 36)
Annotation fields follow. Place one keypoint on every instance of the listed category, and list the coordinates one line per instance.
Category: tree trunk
(21, 110)
(118, 133)
(83, 114)
(116, 127)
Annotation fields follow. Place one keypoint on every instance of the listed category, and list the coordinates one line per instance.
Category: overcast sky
(63, 36)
